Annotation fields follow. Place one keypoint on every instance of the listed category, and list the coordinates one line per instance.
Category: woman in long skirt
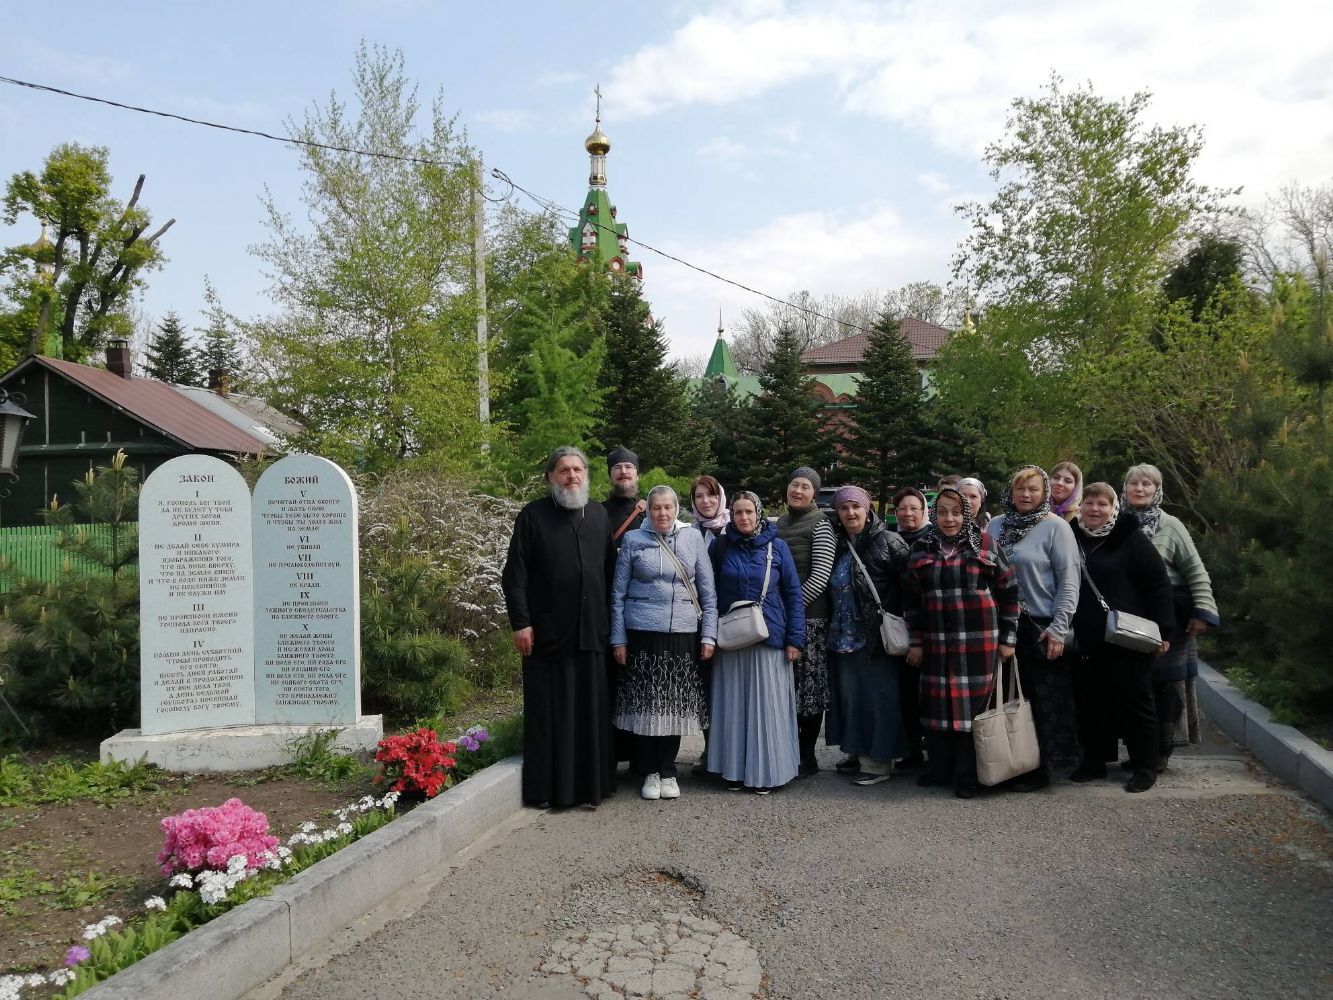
(663, 622)
(752, 739)
(866, 715)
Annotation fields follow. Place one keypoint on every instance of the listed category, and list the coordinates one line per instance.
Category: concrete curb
(1287, 752)
(242, 949)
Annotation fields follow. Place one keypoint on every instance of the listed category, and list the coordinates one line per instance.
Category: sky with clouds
(788, 145)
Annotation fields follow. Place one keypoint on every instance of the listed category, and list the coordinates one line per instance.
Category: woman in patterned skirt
(810, 537)
(962, 609)
(663, 621)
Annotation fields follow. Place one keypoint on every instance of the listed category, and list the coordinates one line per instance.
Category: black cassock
(556, 581)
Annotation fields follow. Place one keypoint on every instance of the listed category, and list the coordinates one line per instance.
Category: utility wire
(546, 203)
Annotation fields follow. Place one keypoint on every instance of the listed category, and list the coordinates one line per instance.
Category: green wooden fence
(31, 552)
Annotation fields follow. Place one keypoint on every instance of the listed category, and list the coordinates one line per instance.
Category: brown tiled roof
(161, 407)
(926, 340)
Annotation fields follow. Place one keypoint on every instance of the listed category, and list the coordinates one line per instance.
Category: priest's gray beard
(571, 499)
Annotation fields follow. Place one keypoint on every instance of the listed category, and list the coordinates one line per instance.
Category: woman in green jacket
(1175, 672)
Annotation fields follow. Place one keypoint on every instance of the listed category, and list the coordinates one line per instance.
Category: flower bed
(220, 857)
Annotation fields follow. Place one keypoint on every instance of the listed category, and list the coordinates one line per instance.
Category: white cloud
(1254, 76)
(867, 248)
(935, 182)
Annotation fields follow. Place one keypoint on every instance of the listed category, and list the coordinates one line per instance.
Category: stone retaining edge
(247, 946)
(1287, 752)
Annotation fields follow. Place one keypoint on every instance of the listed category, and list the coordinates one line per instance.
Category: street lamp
(13, 418)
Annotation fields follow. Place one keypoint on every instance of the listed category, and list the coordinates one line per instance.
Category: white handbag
(1004, 734)
(743, 624)
(893, 630)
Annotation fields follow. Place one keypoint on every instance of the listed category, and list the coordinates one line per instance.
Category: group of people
(626, 616)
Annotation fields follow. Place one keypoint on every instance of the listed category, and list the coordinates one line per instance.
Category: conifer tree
(646, 403)
(887, 414)
(169, 357)
(784, 428)
(716, 416)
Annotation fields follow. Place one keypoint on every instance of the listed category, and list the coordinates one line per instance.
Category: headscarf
(1150, 517)
(723, 516)
(970, 532)
(758, 508)
(1105, 529)
(1016, 525)
(1069, 507)
(978, 515)
(648, 520)
(850, 492)
(916, 533)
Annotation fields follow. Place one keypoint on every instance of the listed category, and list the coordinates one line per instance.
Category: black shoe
(1033, 782)
(927, 780)
(538, 805)
(909, 763)
(848, 765)
(966, 789)
(1140, 781)
(809, 768)
(700, 768)
(1160, 767)
(1088, 772)
(735, 786)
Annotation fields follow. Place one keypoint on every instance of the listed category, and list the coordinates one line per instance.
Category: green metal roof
(597, 237)
(720, 363)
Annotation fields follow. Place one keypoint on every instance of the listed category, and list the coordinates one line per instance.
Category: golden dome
(42, 243)
(598, 144)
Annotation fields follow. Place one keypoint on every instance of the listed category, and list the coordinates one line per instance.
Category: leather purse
(1004, 734)
(893, 630)
(743, 624)
(1123, 629)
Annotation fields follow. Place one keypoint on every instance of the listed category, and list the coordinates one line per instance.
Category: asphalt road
(1217, 883)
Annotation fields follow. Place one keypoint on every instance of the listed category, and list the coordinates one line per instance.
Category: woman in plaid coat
(962, 609)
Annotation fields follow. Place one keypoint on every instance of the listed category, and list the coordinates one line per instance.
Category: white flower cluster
(310, 833)
(94, 931)
(12, 987)
(154, 903)
(213, 886)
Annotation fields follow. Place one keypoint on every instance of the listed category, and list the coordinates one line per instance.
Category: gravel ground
(1217, 883)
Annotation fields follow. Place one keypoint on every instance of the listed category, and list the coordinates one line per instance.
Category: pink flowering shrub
(210, 837)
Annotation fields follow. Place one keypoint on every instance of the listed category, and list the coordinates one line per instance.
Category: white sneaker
(652, 787)
(670, 788)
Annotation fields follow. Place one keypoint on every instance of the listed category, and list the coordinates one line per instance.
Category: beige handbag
(1004, 734)
(743, 625)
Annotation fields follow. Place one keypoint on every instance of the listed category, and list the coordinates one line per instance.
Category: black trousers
(655, 754)
(953, 757)
(1113, 694)
(807, 734)
(909, 698)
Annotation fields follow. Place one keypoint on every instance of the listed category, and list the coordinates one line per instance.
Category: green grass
(62, 780)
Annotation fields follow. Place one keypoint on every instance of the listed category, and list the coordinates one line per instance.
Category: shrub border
(1286, 751)
(247, 946)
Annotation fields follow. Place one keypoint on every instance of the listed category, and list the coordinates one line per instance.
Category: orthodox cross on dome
(598, 237)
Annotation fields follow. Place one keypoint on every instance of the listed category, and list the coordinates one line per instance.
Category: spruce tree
(646, 402)
(888, 412)
(169, 357)
(716, 415)
(784, 428)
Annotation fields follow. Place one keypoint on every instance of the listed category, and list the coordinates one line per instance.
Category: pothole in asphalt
(644, 934)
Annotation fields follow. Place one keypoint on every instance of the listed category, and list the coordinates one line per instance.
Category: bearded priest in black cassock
(556, 586)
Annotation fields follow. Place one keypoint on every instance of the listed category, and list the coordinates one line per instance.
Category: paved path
(1217, 883)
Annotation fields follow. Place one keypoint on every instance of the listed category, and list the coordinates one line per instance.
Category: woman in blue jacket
(753, 741)
(663, 622)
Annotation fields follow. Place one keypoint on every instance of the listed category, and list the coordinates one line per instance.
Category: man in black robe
(623, 506)
(626, 512)
(556, 585)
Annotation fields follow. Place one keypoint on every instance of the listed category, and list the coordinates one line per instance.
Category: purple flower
(76, 954)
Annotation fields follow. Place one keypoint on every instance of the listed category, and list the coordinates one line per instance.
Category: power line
(546, 203)
(553, 206)
(422, 160)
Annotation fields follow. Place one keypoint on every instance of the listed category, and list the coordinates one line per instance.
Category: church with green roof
(598, 239)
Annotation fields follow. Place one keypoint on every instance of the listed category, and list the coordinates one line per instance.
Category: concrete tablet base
(242, 949)
(235, 748)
